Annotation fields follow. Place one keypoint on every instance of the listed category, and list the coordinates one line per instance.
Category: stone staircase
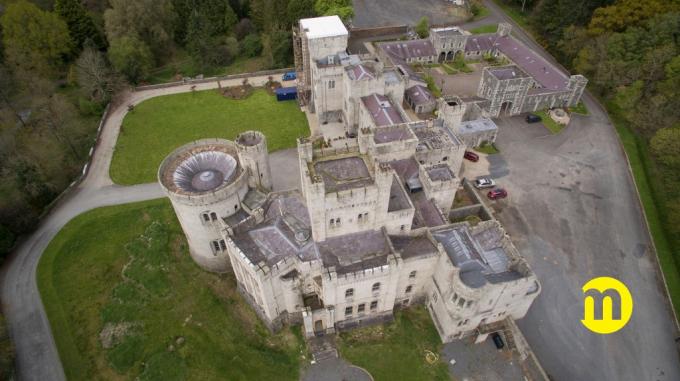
(322, 347)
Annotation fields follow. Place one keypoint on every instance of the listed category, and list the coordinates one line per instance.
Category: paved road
(37, 357)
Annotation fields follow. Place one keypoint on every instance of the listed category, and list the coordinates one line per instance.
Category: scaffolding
(301, 67)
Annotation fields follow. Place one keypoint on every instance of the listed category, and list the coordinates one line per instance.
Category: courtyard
(159, 125)
(573, 213)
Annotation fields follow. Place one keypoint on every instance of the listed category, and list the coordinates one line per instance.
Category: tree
(208, 50)
(150, 21)
(251, 45)
(299, 9)
(34, 40)
(243, 28)
(95, 77)
(423, 27)
(131, 57)
(665, 145)
(626, 13)
(341, 8)
(80, 24)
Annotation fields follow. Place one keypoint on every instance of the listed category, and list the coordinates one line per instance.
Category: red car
(497, 193)
(471, 156)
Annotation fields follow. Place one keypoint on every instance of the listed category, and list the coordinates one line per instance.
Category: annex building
(368, 229)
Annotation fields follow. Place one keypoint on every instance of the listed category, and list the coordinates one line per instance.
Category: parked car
(497, 193)
(471, 156)
(533, 118)
(484, 182)
(498, 340)
(289, 76)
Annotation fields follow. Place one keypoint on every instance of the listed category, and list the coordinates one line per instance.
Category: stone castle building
(368, 229)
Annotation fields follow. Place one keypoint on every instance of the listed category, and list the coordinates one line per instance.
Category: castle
(368, 230)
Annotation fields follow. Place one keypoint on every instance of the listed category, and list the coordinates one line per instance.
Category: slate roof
(419, 94)
(382, 110)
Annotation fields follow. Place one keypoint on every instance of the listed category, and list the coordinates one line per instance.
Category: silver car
(484, 182)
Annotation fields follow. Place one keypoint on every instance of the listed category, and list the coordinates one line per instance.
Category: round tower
(205, 182)
(253, 154)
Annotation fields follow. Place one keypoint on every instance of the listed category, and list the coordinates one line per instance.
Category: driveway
(573, 212)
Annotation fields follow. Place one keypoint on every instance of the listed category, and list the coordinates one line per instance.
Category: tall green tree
(34, 40)
(131, 57)
(341, 8)
(80, 24)
(150, 21)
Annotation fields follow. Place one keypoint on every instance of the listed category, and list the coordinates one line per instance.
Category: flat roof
(508, 72)
(392, 133)
(320, 27)
(477, 125)
(343, 173)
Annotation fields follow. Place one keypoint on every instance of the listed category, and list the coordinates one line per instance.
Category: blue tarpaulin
(286, 93)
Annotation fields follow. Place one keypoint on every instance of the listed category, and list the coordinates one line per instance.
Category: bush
(251, 45)
(423, 27)
(131, 57)
(6, 241)
(89, 108)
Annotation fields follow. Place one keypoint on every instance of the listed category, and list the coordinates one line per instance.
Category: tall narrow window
(213, 216)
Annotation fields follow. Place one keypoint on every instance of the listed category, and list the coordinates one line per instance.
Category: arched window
(376, 287)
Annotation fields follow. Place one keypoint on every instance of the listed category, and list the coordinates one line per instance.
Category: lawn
(646, 182)
(549, 123)
(580, 108)
(159, 125)
(396, 351)
(491, 28)
(122, 277)
(487, 148)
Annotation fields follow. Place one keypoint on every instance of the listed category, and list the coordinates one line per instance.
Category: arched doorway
(449, 56)
(442, 57)
(318, 327)
(506, 107)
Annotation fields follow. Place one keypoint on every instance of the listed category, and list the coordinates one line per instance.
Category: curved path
(36, 353)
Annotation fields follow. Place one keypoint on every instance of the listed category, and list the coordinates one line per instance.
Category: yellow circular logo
(607, 305)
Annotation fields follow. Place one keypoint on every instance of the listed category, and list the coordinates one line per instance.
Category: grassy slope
(549, 123)
(491, 28)
(646, 183)
(159, 125)
(396, 351)
(80, 271)
(183, 64)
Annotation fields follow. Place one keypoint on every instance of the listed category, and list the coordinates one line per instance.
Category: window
(408, 289)
(405, 302)
(376, 287)
(332, 221)
(455, 296)
(374, 305)
(434, 297)
(348, 311)
(361, 307)
(412, 275)
(349, 293)
(403, 227)
(205, 216)
(461, 302)
(235, 207)
(213, 216)
(218, 245)
(469, 303)
(331, 84)
(445, 158)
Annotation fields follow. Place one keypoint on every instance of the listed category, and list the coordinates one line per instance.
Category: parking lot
(372, 13)
(573, 213)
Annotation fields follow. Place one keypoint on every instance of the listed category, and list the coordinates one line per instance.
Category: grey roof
(419, 95)
(537, 67)
(343, 173)
(476, 126)
(481, 42)
(440, 172)
(404, 50)
(382, 110)
(355, 252)
(480, 256)
(398, 197)
(508, 72)
(411, 247)
(359, 72)
(426, 212)
(392, 134)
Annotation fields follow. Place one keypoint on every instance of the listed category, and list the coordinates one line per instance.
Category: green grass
(580, 108)
(482, 11)
(489, 149)
(432, 86)
(80, 278)
(648, 186)
(491, 28)
(159, 125)
(448, 69)
(549, 123)
(396, 351)
(184, 65)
